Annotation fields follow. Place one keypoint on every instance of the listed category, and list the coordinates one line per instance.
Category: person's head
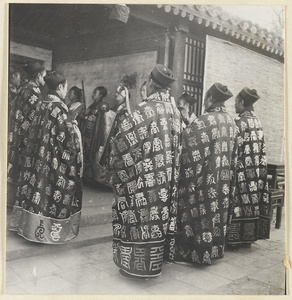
(75, 93)
(36, 71)
(160, 78)
(14, 76)
(246, 98)
(143, 91)
(57, 84)
(184, 104)
(121, 94)
(99, 93)
(216, 95)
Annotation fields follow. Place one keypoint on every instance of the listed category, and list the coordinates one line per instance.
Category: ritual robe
(76, 111)
(12, 95)
(251, 211)
(145, 164)
(49, 196)
(23, 110)
(112, 120)
(93, 135)
(206, 187)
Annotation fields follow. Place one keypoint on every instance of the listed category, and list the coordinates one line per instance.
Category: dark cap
(250, 95)
(33, 68)
(220, 92)
(188, 98)
(161, 75)
(53, 79)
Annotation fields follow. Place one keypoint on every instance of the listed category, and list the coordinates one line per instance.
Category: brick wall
(238, 67)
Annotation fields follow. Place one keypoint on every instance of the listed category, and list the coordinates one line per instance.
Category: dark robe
(145, 164)
(12, 96)
(24, 108)
(76, 111)
(206, 187)
(49, 195)
(93, 135)
(251, 211)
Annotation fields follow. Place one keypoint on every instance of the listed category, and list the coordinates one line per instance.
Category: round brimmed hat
(250, 95)
(53, 79)
(34, 68)
(163, 76)
(220, 92)
(188, 98)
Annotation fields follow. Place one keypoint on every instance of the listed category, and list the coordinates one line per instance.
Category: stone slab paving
(18, 247)
(89, 270)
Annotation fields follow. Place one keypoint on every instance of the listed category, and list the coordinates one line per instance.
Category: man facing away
(145, 165)
(206, 181)
(49, 193)
(14, 83)
(25, 104)
(251, 211)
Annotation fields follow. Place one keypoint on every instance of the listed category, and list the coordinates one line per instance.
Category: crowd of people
(185, 186)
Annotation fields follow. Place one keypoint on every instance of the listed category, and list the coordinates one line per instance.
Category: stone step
(95, 226)
(17, 247)
(96, 205)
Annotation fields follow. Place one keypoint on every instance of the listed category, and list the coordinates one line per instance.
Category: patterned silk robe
(206, 187)
(12, 96)
(251, 211)
(145, 163)
(49, 196)
(20, 118)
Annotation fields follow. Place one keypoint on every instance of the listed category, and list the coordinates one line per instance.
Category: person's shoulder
(204, 117)
(26, 89)
(74, 105)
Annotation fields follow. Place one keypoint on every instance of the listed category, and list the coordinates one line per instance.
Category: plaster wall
(108, 73)
(238, 67)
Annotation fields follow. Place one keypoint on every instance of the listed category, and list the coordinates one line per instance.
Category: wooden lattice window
(194, 70)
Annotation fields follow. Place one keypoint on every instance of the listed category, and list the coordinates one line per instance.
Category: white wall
(108, 73)
(238, 67)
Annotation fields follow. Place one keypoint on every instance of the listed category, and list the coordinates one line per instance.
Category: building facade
(97, 44)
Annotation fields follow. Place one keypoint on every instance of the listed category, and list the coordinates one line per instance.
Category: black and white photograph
(145, 149)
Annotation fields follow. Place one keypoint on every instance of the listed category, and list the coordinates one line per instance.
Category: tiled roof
(215, 18)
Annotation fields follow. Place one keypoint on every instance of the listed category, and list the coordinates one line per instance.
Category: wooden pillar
(166, 49)
(178, 63)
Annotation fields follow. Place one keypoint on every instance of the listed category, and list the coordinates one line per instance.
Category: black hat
(220, 92)
(250, 95)
(188, 98)
(162, 75)
(53, 79)
(33, 68)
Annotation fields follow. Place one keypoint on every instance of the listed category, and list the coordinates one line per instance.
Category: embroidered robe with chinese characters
(49, 196)
(21, 115)
(12, 96)
(145, 163)
(206, 187)
(251, 210)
